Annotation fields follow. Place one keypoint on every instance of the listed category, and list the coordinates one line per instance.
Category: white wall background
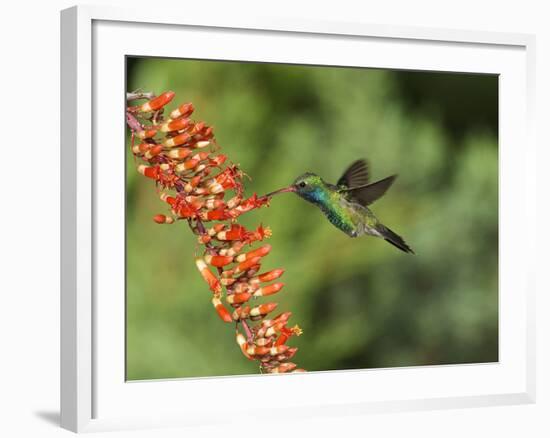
(29, 222)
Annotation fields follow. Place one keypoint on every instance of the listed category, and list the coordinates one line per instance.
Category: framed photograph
(233, 225)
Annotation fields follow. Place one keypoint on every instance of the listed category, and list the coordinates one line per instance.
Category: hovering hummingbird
(346, 203)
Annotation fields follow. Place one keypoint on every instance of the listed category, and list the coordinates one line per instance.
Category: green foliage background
(361, 302)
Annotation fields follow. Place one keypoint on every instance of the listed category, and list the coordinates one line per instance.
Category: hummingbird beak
(284, 190)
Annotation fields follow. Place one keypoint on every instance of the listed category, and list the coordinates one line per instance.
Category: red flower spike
(192, 193)
(157, 103)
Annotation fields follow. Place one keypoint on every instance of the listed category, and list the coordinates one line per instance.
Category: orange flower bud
(210, 278)
(177, 140)
(234, 250)
(202, 144)
(198, 128)
(184, 110)
(236, 232)
(241, 341)
(213, 215)
(162, 219)
(241, 287)
(283, 368)
(179, 153)
(204, 239)
(214, 203)
(244, 266)
(228, 281)
(217, 260)
(167, 198)
(263, 342)
(187, 164)
(234, 201)
(290, 353)
(153, 152)
(146, 133)
(263, 309)
(259, 252)
(267, 276)
(218, 160)
(241, 313)
(148, 171)
(157, 103)
(175, 125)
(141, 148)
(238, 298)
(269, 290)
(222, 312)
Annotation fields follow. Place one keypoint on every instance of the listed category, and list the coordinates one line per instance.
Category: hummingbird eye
(302, 184)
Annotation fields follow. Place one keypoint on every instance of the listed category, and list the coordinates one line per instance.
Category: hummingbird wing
(357, 174)
(367, 194)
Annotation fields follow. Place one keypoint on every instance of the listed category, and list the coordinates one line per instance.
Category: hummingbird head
(308, 186)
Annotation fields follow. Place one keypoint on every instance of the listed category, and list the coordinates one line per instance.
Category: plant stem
(136, 95)
(133, 123)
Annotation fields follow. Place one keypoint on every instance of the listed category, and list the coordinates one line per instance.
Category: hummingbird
(346, 203)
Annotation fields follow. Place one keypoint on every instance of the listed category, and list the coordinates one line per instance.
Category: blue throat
(316, 196)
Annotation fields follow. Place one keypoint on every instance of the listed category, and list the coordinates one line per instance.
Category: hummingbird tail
(396, 240)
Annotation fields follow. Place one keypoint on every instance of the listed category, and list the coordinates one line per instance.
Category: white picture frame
(94, 395)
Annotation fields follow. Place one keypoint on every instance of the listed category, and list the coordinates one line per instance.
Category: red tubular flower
(169, 156)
